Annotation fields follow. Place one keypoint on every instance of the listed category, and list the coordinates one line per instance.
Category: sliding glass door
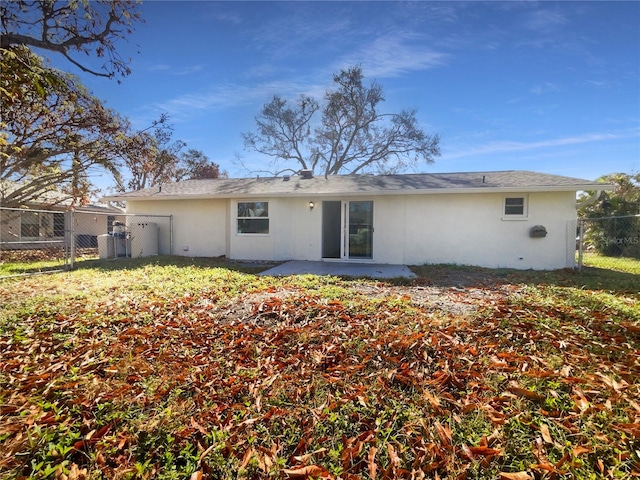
(347, 229)
(360, 230)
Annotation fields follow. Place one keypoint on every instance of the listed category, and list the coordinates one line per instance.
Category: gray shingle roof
(466, 182)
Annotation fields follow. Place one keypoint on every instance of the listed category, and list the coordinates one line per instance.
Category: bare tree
(72, 28)
(284, 133)
(197, 166)
(153, 158)
(352, 137)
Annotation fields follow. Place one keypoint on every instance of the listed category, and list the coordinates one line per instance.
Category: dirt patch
(438, 289)
(454, 300)
(41, 255)
(248, 308)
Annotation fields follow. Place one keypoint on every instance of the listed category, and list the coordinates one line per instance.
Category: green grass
(163, 367)
(26, 268)
(620, 264)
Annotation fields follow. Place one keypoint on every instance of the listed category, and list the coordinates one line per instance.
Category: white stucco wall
(294, 232)
(87, 223)
(200, 226)
(465, 229)
(471, 230)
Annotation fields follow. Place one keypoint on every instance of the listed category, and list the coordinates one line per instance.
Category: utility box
(106, 247)
(144, 239)
(112, 246)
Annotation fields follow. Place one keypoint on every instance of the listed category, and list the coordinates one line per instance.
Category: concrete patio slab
(369, 270)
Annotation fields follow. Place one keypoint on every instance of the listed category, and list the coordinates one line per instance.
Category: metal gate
(608, 241)
(34, 241)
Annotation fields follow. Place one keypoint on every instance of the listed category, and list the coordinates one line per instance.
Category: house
(513, 219)
(46, 226)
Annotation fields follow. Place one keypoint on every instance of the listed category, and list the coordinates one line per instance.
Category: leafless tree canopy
(351, 137)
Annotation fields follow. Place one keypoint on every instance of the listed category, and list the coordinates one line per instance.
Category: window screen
(514, 206)
(253, 217)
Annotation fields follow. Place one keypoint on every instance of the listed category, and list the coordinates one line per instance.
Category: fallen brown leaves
(285, 383)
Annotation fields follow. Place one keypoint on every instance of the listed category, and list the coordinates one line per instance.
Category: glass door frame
(356, 232)
(359, 230)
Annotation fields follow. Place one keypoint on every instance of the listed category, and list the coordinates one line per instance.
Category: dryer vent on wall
(538, 231)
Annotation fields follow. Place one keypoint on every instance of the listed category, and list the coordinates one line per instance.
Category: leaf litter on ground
(218, 374)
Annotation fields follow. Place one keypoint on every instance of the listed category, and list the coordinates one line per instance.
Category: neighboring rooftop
(47, 199)
(465, 182)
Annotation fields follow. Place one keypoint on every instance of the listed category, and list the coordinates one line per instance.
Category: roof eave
(428, 191)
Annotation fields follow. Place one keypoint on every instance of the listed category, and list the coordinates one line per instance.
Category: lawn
(180, 368)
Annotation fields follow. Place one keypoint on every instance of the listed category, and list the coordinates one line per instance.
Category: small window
(515, 207)
(30, 224)
(253, 217)
(58, 224)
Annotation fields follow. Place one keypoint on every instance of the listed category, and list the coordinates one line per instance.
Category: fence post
(580, 243)
(72, 234)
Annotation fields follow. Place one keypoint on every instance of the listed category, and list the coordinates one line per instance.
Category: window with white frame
(253, 218)
(515, 207)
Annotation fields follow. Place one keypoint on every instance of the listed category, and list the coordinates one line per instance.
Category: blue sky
(545, 86)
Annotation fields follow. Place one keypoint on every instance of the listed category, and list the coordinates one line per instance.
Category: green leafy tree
(613, 229)
(75, 29)
(54, 133)
(352, 136)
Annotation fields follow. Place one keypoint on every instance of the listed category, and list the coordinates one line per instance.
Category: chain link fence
(37, 241)
(607, 242)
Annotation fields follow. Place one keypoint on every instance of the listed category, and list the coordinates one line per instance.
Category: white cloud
(159, 67)
(510, 146)
(546, 20)
(546, 87)
(229, 96)
(395, 54)
(606, 84)
(188, 70)
(173, 70)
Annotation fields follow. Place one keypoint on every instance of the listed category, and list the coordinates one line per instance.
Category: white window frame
(515, 216)
(255, 216)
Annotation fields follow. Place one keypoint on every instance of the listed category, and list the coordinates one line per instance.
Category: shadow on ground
(588, 278)
(452, 276)
(168, 260)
